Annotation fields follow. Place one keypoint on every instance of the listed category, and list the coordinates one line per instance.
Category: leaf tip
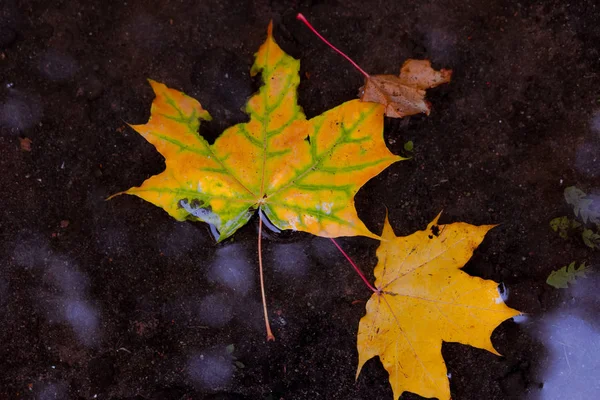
(155, 85)
(436, 219)
(388, 231)
(270, 29)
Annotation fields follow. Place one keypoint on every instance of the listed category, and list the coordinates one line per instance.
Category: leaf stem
(303, 19)
(358, 271)
(270, 336)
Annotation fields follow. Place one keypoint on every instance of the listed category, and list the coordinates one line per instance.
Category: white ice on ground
(60, 273)
(211, 369)
(502, 294)
(53, 391)
(587, 159)
(571, 336)
(20, 111)
(231, 268)
(215, 310)
(83, 318)
(65, 285)
(180, 240)
(595, 123)
(290, 259)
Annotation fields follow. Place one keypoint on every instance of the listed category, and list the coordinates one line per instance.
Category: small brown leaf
(25, 144)
(64, 223)
(405, 94)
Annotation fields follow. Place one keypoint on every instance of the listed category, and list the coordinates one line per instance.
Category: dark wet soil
(116, 300)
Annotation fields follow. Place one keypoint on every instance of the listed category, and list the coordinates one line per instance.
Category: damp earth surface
(116, 300)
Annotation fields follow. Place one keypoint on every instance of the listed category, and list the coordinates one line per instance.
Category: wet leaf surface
(302, 174)
(425, 299)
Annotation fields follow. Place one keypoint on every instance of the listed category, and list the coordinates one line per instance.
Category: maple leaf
(402, 95)
(584, 206)
(423, 299)
(302, 174)
(405, 94)
(561, 278)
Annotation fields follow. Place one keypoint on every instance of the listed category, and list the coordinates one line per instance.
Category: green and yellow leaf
(302, 174)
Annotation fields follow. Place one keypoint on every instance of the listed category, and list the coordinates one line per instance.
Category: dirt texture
(116, 300)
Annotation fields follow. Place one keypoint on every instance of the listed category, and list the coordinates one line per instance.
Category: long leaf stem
(270, 336)
(303, 19)
(358, 271)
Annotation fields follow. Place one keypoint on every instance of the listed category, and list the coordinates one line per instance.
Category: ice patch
(324, 251)
(211, 369)
(587, 159)
(267, 222)
(595, 123)
(204, 214)
(231, 268)
(83, 318)
(30, 250)
(53, 391)
(19, 111)
(215, 310)
(572, 339)
(69, 305)
(521, 319)
(503, 294)
(182, 239)
(290, 259)
(72, 282)
(574, 361)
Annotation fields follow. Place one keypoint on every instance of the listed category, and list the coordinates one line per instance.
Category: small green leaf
(561, 278)
(239, 364)
(590, 238)
(556, 223)
(230, 349)
(562, 226)
(584, 206)
(409, 146)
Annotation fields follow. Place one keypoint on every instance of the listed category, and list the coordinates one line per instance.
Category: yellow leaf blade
(302, 174)
(426, 299)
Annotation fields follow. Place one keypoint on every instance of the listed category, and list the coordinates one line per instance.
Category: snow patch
(211, 369)
(232, 269)
(503, 294)
(290, 259)
(215, 310)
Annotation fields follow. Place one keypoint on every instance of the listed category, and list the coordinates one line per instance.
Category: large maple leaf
(424, 298)
(303, 174)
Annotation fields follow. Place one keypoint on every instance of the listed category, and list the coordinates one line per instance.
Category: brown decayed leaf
(25, 143)
(405, 94)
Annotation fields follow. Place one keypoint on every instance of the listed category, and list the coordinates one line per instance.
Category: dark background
(116, 300)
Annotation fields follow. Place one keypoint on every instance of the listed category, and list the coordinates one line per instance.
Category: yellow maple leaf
(423, 299)
(302, 174)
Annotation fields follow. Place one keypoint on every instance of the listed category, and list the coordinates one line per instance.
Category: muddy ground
(116, 300)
